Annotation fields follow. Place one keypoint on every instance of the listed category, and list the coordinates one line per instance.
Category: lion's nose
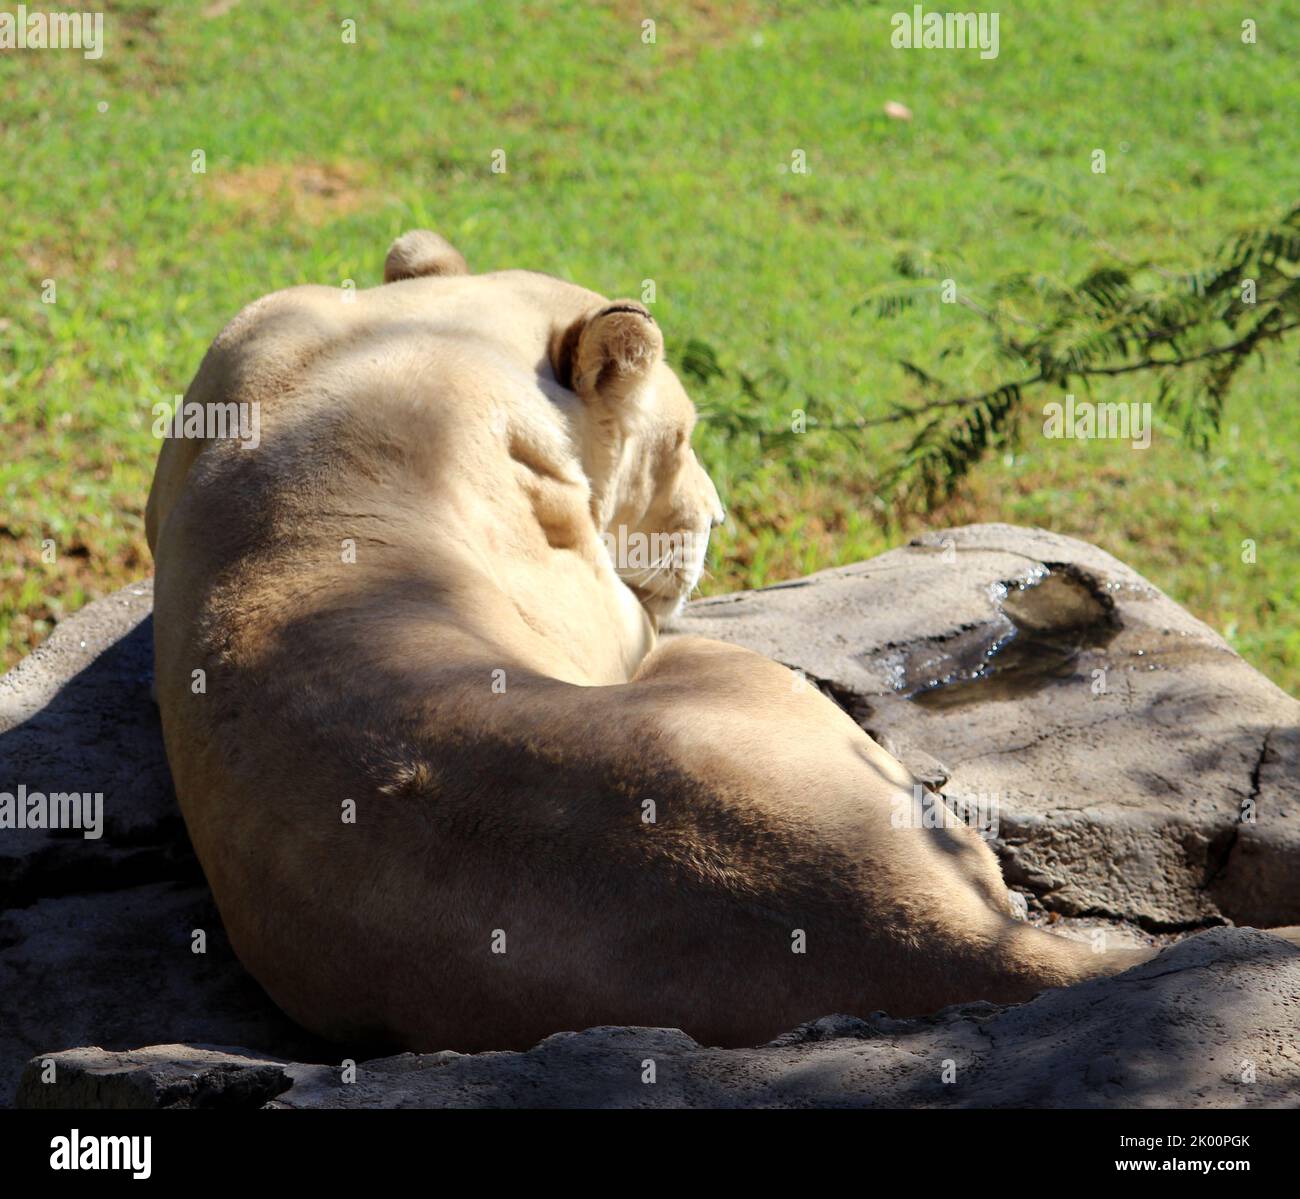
(719, 516)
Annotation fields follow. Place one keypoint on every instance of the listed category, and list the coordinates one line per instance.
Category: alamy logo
(78, 1152)
(82, 31)
(928, 809)
(634, 550)
(57, 810)
(1084, 420)
(921, 30)
(242, 421)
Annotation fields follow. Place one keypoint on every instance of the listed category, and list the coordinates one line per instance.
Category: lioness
(447, 791)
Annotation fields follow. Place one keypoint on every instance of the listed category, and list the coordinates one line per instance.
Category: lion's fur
(473, 437)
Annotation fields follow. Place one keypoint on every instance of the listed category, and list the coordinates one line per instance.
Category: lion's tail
(1042, 959)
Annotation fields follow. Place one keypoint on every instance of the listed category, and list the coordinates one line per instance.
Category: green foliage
(1191, 333)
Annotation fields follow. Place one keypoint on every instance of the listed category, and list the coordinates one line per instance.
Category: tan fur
(473, 436)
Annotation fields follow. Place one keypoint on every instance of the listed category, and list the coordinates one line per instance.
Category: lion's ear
(420, 252)
(609, 353)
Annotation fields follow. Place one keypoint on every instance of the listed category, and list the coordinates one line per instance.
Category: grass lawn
(628, 162)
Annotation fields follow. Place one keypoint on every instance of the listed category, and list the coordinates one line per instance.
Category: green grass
(629, 162)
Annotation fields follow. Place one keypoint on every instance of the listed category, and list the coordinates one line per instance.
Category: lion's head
(652, 502)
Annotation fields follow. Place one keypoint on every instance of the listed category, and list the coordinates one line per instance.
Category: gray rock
(1127, 746)
(117, 967)
(161, 1076)
(1208, 1023)
(75, 716)
(970, 654)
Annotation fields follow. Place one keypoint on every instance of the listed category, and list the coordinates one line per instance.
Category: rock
(162, 1076)
(75, 715)
(970, 653)
(1141, 770)
(1208, 1023)
(109, 966)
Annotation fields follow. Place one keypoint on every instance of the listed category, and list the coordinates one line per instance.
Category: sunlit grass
(629, 162)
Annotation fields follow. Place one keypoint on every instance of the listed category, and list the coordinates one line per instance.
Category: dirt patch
(697, 24)
(308, 193)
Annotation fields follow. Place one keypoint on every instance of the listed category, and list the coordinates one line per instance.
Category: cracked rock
(1208, 1023)
(161, 1076)
(1141, 769)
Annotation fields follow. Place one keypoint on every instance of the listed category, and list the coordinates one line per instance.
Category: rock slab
(1211, 1022)
(1140, 769)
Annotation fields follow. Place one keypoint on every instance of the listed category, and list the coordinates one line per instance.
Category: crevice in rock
(1042, 901)
(848, 701)
(226, 1087)
(1147, 924)
(1218, 853)
(1258, 768)
(844, 698)
(1220, 850)
(58, 871)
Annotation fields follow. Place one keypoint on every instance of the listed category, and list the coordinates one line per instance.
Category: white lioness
(447, 791)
